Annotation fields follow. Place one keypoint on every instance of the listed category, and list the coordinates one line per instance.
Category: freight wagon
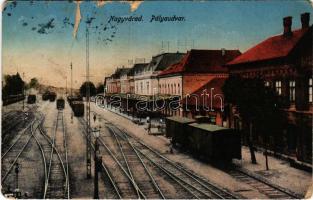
(204, 140)
(60, 104)
(45, 96)
(176, 128)
(52, 96)
(78, 108)
(212, 142)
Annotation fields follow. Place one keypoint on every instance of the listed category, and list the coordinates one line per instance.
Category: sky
(32, 45)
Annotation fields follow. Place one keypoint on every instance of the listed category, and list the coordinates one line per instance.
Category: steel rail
(66, 158)
(192, 176)
(174, 177)
(20, 135)
(81, 120)
(126, 162)
(145, 167)
(42, 153)
(54, 149)
(18, 155)
(268, 184)
(133, 183)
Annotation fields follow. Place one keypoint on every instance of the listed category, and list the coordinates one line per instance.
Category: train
(51, 96)
(31, 99)
(77, 105)
(7, 100)
(45, 96)
(204, 140)
(60, 104)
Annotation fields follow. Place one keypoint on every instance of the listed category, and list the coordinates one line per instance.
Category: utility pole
(24, 91)
(65, 85)
(97, 159)
(88, 147)
(17, 192)
(71, 78)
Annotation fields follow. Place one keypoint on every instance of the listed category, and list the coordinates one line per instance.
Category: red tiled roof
(274, 47)
(217, 84)
(202, 61)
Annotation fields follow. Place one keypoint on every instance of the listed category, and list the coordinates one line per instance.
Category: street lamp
(98, 161)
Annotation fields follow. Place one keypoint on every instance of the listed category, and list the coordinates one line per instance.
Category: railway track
(196, 186)
(12, 154)
(136, 153)
(57, 178)
(119, 169)
(142, 175)
(263, 186)
(113, 189)
(12, 119)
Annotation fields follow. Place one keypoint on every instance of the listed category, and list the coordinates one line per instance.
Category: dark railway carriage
(78, 108)
(52, 96)
(45, 96)
(212, 142)
(60, 104)
(31, 99)
(176, 128)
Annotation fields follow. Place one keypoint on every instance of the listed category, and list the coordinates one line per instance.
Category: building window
(267, 83)
(292, 91)
(168, 88)
(310, 90)
(278, 87)
(178, 89)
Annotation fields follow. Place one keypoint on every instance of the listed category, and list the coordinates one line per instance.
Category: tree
(13, 85)
(272, 119)
(258, 106)
(83, 89)
(33, 83)
(100, 88)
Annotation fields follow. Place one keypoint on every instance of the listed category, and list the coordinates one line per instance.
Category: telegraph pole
(71, 78)
(65, 85)
(88, 147)
(24, 91)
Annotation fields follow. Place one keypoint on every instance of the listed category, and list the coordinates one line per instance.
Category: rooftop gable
(162, 61)
(275, 47)
(203, 61)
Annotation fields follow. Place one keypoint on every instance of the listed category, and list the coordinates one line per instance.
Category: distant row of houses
(284, 61)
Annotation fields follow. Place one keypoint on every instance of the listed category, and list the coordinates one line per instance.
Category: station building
(284, 61)
(199, 72)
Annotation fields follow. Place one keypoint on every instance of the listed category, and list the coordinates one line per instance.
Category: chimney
(287, 21)
(305, 20)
